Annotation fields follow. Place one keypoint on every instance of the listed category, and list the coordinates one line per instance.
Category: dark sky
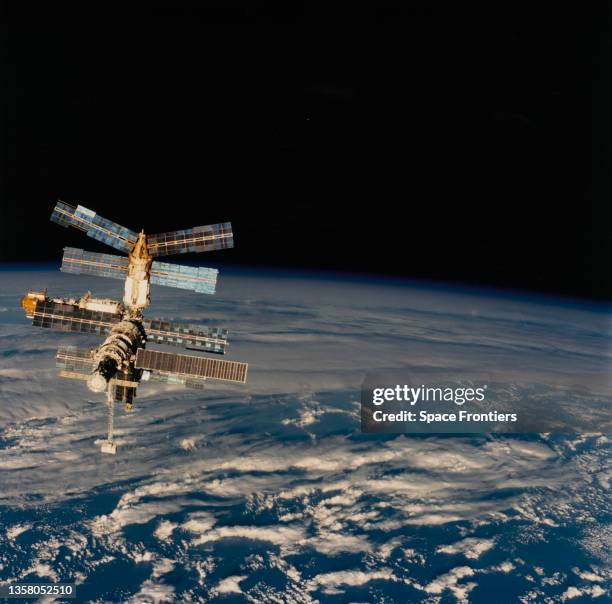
(436, 142)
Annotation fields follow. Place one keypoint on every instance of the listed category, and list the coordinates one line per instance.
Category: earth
(269, 492)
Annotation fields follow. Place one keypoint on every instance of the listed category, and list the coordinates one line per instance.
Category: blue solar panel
(63, 214)
(70, 317)
(95, 226)
(197, 337)
(80, 262)
(197, 279)
(169, 378)
(197, 239)
(71, 358)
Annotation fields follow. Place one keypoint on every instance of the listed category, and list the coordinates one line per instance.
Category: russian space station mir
(119, 364)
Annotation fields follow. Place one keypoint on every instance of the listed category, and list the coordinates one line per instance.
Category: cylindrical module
(136, 293)
(115, 353)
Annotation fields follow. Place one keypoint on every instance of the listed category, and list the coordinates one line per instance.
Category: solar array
(75, 359)
(189, 367)
(207, 339)
(95, 226)
(170, 378)
(70, 317)
(197, 279)
(125, 386)
(80, 262)
(197, 239)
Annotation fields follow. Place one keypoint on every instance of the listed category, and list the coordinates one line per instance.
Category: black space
(461, 144)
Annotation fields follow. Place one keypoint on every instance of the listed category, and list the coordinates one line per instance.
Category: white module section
(102, 305)
(136, 293)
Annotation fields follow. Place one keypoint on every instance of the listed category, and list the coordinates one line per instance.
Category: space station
(122, 361)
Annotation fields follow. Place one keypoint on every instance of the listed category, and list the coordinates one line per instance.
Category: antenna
(108, 445)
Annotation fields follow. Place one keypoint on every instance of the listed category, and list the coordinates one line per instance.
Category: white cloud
(351, 578)
(278, 535)
(188, 444)
(471, 548)
(385, 550)
(199, 523)
(162, 566)
(143, 556)
(332, 544)
(570, 593)
(230, 585)
(588, 575)
(165, 529)
(152, 592)
(43, 570)
(14, 531)
(504, 567)
(450, 581)
(307, 417)
(126, 515)
(595, 591)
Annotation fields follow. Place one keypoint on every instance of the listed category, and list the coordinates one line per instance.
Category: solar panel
(208, 339)
(95, 226)
(63, 214)
(125, 386)
(69, 317)
(197, 279)
(80, 262)
(73, 359)
(170, 378)
(197, 239)
(188, 367)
